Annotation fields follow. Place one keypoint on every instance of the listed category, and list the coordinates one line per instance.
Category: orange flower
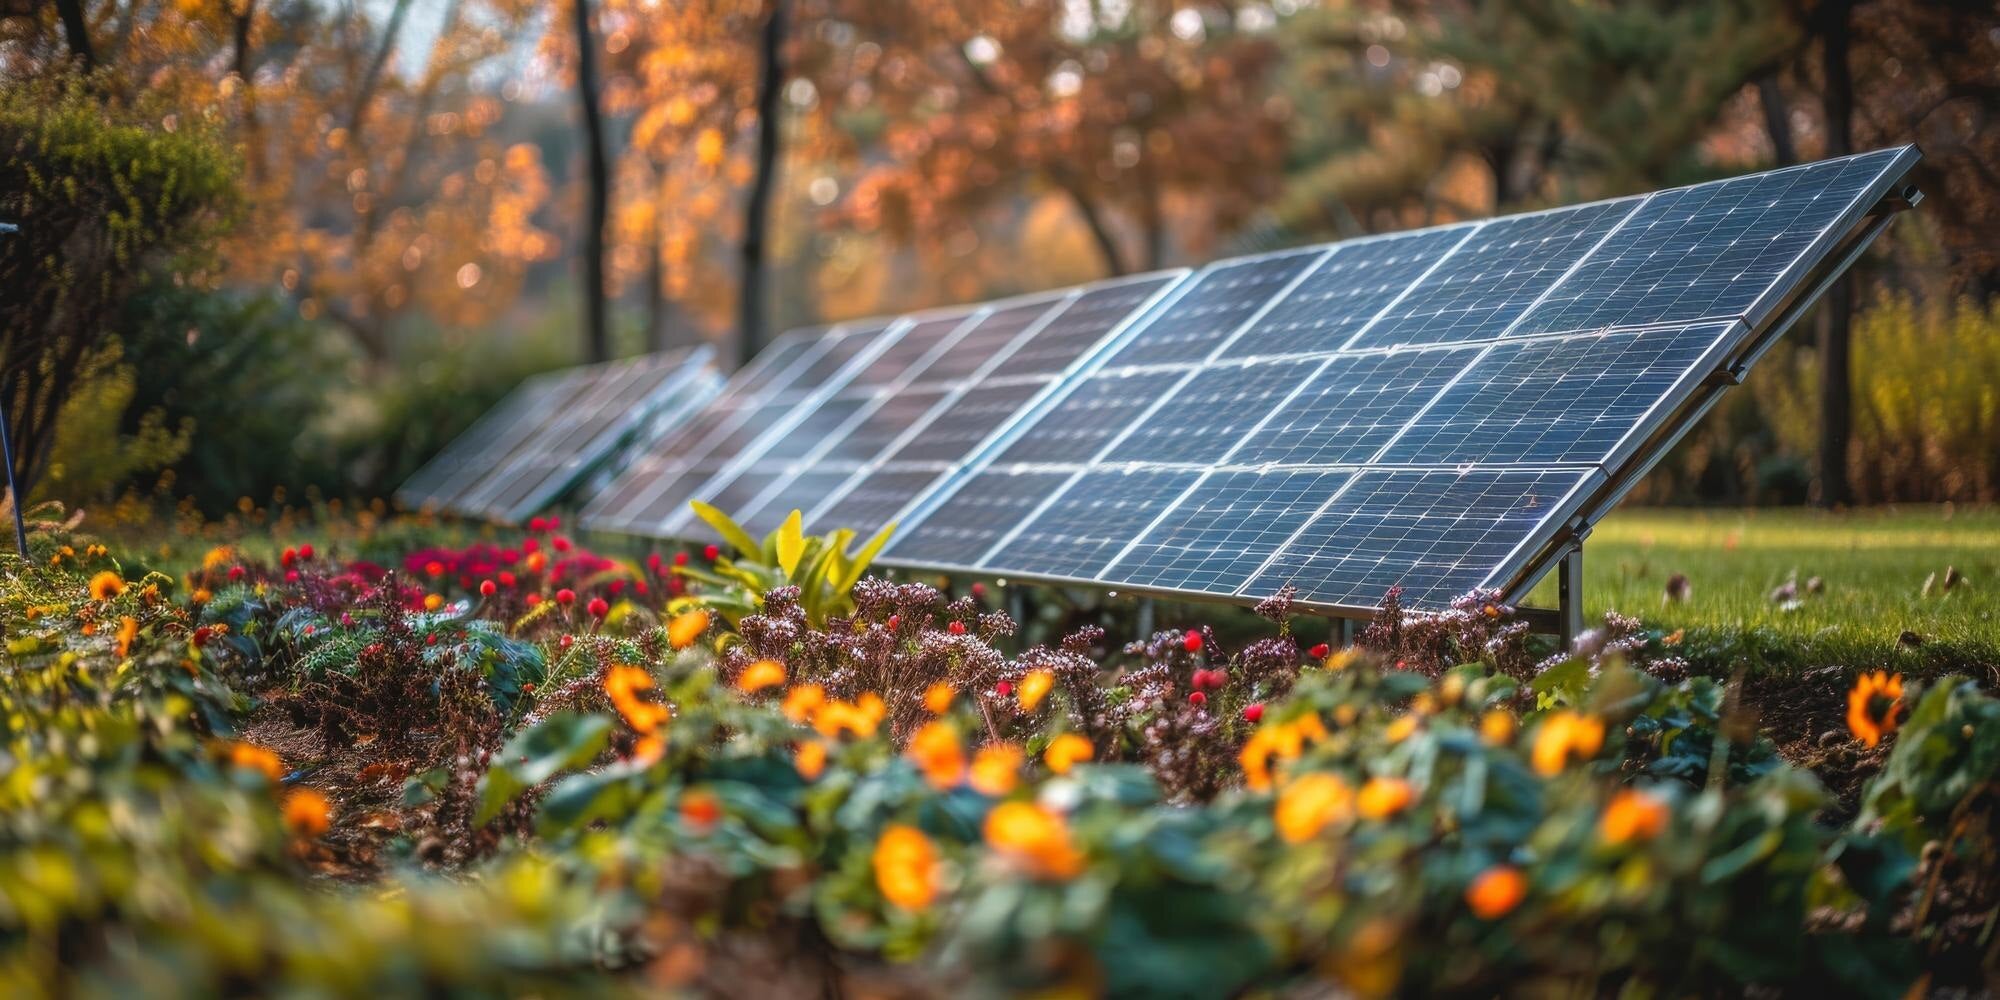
(252, 757)
(810, 759)
(906, 867)
(624, 685)
(1284, 741)
(1067, 751)
(996, 769)
(1033, 688)
(1033, 838)
(1381, 798)
(202, 596)
(937, 698)
(936, 751)
(686, 628)
(1310, 802)
(802, 701)
(1632, 815)
(536, 561)
(307, 813)
(1562, 734)
(106, 585)
(760, 675)
(1496, 891)
(1874, 707)
(1497, 727)
(700, 808)
(432, 602)
(860, 717)
(1402, 729)
(128, 630)
(649, 749)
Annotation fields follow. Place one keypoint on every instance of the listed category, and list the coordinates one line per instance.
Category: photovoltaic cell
(1204, 419)
(987, 507)
(1218, 535)
(1080, 326)
(1089, 417)
(1492, 278)
(1346, 291)
(951, 434)
(1573, 399)
(1218, 302)
(1436, 534)
(1352, 407)
(871, 503)
(1089, 523)
(470, 455)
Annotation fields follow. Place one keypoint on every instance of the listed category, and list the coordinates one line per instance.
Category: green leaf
(866, 556)
(725, 526)
(791, 543)
(566, 740)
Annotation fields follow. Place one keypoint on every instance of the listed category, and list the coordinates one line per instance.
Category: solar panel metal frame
(1557, 541)
(458, 466)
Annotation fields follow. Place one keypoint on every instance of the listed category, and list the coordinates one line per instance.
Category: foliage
(101, 195)
(821, 567)
(92, 458)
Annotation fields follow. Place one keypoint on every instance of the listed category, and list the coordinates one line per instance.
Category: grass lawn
(1873, 564)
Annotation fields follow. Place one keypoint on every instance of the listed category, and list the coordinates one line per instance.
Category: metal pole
(7, 446)
(1569, 587)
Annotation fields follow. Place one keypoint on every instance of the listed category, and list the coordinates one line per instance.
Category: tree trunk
(1837, 310)
(243, 66)
(597, 337)
(1777, 119)
(364, 92)
(76, 31)
(756, 215)
(659, 315)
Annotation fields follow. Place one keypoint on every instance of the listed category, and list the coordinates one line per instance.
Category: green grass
(1873, 563)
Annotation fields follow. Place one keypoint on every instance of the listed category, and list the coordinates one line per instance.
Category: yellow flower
(307, 812)
(1874, 706)
(251, 757)
(106, 585)
(432, 602)
(1496, 891)
(1341, 660)
(686, 628)
(810, 759)
(1496, 727)
(935, 749)
(1034, 687)
(760, 675)
(1310, 802)
(937, 698)
(906, 867)
(201, 595)
(802, 701)
(1034, 839)
(624, 684)
(1381, 798)
(128, 630)
(1067, 751)
(1402, 729)
(996, 769)
(1562, 734)
(216, 557)
(1632, 815)
(860, 717)
(1284, 741)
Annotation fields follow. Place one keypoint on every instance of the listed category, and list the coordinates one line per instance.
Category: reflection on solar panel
(1438, 410)
(556, 430)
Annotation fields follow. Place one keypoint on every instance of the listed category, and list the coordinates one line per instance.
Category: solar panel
(1437, 410)
(556, 430)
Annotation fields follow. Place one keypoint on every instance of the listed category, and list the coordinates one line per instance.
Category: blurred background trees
(422, 209)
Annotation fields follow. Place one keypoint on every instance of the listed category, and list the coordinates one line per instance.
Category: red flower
(1318, 652)
(506, 579)
(1197, 699)
(287, 557)
(711, 552)
(562, 544)
(291, 576)
(1253, 714)
(202, 635)
(1004, 689)
(565, 597)
(434, 568)
(680, 559)
(487, 589)
(235, 573)
(1192, 641)
(617, 587)
(956, 628)
(979, 590)
(675, 585)
(598, 607)
(537, 524)
(534, 599)
(305, 552)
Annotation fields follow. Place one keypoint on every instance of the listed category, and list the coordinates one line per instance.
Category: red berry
(598, 607)
(291, 576)
(1004, 688)
(956, 628)
(431, 639)
(528, 688)
(537, 524)
(530, 545)
(305, 552)
(1253, 713)
(287, 557)
(236, 572)
(565, 597)
(434, 568)
(506, 579)
(1192, 641)
(617, 587)
(676, 585)
(561, 544)
(979, 590)
(1318, 652)
(554, 522)
(639, 587)
(1197, 699)
(534, 599)
(711, 552)
(487, 588)
(895, 621)
(566, 640)
(680, 559)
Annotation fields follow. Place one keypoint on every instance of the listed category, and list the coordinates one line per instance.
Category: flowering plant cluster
(882, 795)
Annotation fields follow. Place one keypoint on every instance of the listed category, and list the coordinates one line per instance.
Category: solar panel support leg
(1145, 618)
(1569, 586)
(1346, 632)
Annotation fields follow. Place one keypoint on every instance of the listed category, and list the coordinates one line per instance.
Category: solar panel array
(556, 429)
(1426, 409)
